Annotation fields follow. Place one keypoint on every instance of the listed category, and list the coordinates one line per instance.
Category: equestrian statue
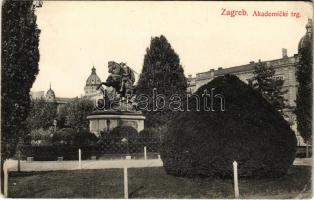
(121, 79)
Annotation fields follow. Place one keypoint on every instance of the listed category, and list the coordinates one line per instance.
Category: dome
(306, 40)
(93, 79)
(50, 95)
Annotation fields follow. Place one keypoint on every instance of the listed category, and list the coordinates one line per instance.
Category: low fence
(107, 148)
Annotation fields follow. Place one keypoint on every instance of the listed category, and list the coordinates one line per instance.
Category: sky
(75, 35)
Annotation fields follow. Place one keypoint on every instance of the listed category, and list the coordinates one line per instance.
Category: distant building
(50, 97)
(285, 68)
(37, 95)
(90, 90)
(91, 85)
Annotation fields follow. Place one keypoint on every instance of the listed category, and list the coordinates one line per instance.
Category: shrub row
(104, 146)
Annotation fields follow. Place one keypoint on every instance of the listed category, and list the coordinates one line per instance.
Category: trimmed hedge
(112, 145)
(250, 131)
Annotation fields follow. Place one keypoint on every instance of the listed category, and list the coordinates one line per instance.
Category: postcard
(156, 99)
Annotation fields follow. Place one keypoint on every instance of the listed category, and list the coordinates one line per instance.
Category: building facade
(50, 96)
(285, 68)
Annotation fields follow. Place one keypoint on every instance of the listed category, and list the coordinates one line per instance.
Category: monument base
(107, 120)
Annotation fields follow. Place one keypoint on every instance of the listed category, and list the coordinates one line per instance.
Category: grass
(152, 183)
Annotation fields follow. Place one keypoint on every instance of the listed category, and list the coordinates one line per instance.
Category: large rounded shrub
(249, 130)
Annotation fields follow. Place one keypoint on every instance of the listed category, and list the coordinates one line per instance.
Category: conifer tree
(20, 57)
(270, 86)
(163, 72)
(304, 94)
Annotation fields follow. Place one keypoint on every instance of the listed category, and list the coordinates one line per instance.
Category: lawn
(152, 183)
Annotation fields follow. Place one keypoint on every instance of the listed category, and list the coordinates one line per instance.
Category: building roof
(93, 78)
(235, 69)
(63, 100)
(242, 68)
(50, 94)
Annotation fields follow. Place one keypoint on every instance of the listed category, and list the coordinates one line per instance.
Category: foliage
(62, 117)
(52, 152)
(304, 94)
(268, 85)
(19, 58)
(83, 137)
(158, 132)
(42, 114)
(161, 70)
(124, 131)
(76, 112)
(64, 136)
(249, 130)
(41, 137)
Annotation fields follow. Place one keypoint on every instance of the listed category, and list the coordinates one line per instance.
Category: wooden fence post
(19, 161)
(235, 179)
(307, 149)
(145, 153)
(125, 177)
(80, 158)
(5, 180)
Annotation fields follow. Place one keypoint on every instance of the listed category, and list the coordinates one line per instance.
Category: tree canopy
(76, 112)
(42, 114)
(20, 57)
(163, 72)
(304, 93)
(270, 86)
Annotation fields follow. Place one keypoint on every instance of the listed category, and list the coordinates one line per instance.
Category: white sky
(77, 34)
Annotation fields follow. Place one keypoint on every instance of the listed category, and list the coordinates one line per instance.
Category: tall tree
(163, 72)
(304, 77)
(20, 56)
(42, 114)
(76, 112)
(270, 86)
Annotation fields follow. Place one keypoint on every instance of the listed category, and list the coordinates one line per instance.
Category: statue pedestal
(108, 120)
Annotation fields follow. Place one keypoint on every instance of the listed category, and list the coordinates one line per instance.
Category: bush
(64, 136)
(153, 132)
(83, 137)
(52, 152)
(124, 131)
(40, 137)
(250, 131)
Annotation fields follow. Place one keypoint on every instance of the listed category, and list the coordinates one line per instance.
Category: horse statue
(121, 78)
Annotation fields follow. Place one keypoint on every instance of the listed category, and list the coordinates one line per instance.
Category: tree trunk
(307, 149)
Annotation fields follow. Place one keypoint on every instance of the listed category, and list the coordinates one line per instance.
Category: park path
(11, 165)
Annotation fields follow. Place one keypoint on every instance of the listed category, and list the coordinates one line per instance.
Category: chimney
(284, 53)
(190, 75)
(212, 72)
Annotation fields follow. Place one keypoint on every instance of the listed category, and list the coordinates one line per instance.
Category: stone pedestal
(108, 120)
